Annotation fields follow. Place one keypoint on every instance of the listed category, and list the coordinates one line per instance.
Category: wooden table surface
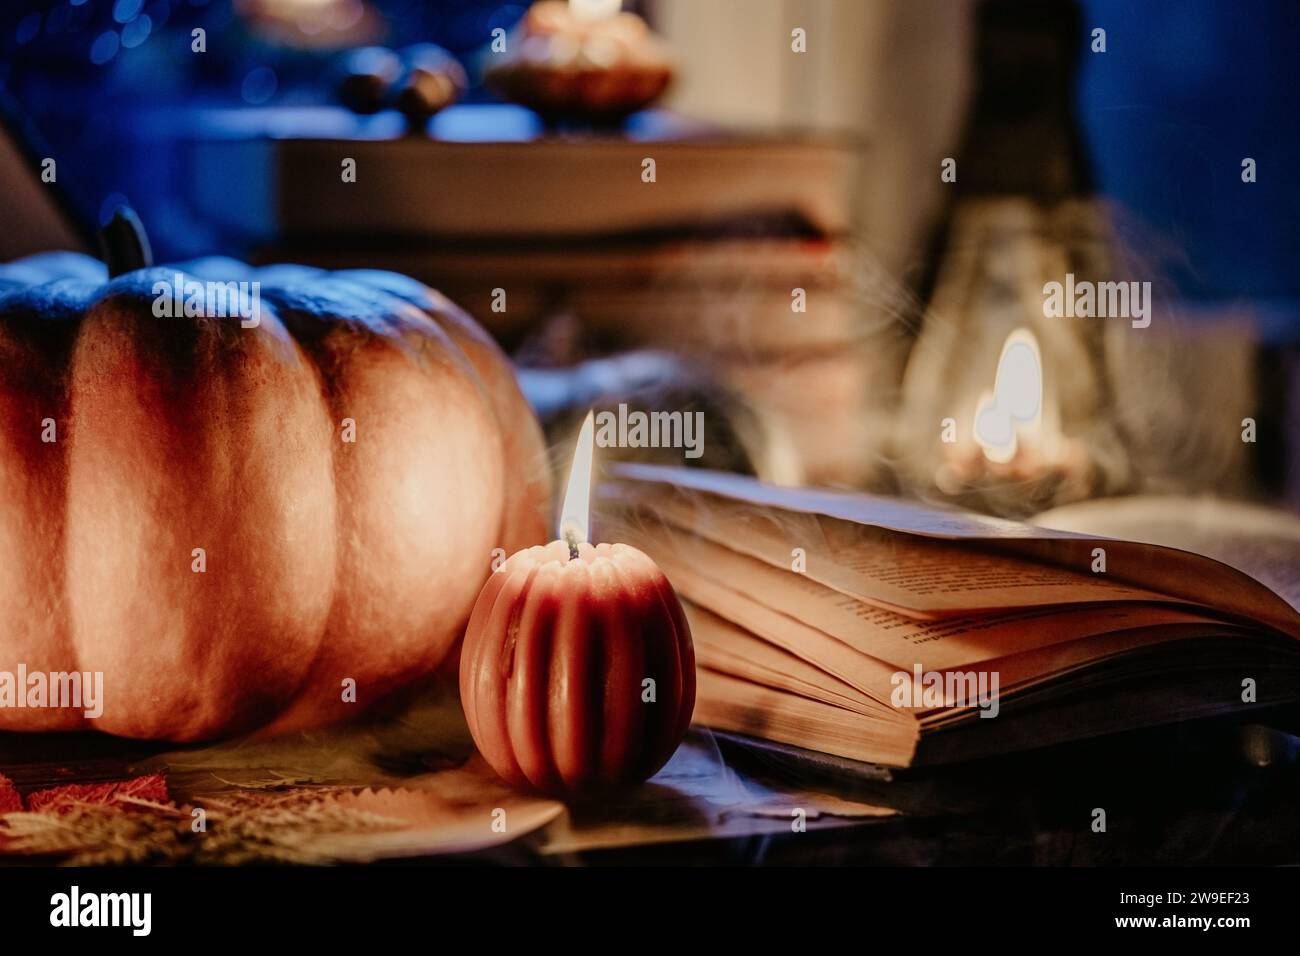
(1205, 792)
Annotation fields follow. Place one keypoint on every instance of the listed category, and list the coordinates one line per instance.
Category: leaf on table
(449, 812)
(151, 787)
(10, 800)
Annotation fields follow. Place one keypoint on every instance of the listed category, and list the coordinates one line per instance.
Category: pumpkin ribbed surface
(555, 666)
(325, 559)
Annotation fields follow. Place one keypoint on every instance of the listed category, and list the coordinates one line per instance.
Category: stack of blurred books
(735, 256)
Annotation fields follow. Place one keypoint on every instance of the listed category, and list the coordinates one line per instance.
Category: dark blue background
(1183, 93)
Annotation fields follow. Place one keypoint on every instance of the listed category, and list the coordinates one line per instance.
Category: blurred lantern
(1132, 399)
(1003, 407)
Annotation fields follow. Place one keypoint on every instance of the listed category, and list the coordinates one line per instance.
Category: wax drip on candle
(577, 496)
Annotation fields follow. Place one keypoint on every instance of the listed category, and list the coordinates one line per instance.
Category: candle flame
(577, 496)
(1014, 406)
(594, 9)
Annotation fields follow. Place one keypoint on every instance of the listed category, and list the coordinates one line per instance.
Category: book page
(1262, 542)
(723, 646)
(895, 514)
(871, 643)
(1030, 668)
(920, 577)
(1181, 574)
(744, 707)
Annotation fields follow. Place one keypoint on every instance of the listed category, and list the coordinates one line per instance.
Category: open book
(885, 631)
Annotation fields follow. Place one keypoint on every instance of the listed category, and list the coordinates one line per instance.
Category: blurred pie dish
(565, 66)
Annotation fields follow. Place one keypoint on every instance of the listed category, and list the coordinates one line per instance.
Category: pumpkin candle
(578, 672)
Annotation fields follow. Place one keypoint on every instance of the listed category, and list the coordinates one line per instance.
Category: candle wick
(571, 538)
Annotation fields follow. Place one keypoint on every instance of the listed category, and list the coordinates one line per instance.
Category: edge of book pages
(811, 659)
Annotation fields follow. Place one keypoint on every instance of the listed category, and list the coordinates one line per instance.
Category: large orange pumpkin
(128, 441)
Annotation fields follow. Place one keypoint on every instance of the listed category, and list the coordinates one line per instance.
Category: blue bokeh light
(105, 47)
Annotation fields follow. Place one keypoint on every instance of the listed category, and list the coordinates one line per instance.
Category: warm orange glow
(1013, 408)
(594, 9)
